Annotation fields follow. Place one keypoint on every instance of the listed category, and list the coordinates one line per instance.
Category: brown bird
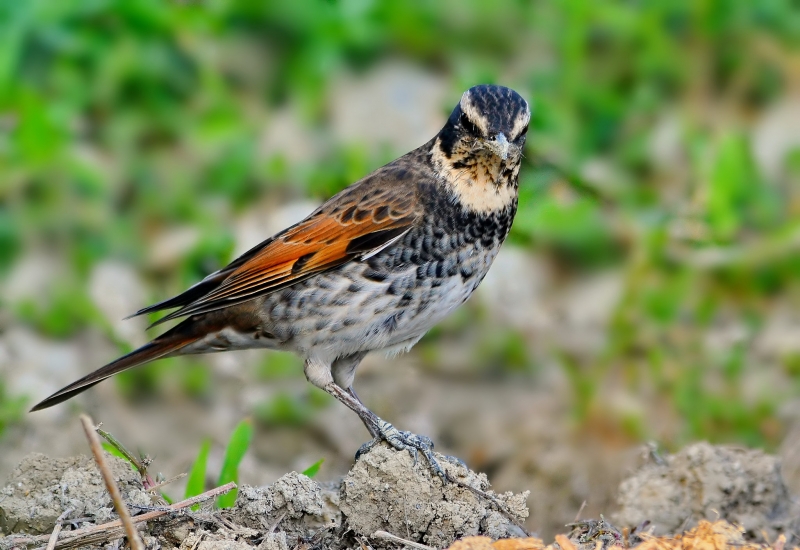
(373, 268)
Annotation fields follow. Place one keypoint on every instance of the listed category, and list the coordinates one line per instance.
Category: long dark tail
(171, 341)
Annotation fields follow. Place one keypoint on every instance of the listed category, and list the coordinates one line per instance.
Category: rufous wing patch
(341, 231)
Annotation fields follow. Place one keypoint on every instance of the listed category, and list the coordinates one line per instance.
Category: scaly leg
(343, 371)
(370, 427)
(319, 374)
(399, 439)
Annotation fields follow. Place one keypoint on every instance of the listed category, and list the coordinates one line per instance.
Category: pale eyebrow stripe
(473, 114)
(521, 121)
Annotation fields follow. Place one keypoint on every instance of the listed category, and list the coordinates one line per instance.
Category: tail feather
(169, 342)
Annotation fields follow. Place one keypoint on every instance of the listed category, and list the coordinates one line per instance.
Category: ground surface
(387, 492)
(522, 428)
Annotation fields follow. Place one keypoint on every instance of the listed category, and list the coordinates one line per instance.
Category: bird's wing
(354, 224)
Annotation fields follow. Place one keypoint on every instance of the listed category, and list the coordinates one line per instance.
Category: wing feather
(350, 226)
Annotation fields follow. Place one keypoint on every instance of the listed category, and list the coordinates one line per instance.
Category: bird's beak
(499, 146)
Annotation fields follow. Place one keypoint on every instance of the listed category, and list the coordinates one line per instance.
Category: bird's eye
(523, 132)
(467, 124)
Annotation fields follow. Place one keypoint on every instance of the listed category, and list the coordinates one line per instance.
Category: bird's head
(480, 147)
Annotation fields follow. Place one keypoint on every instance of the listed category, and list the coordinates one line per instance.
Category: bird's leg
(319, 374)
(343, 371)
(370, 427)
(399, 439)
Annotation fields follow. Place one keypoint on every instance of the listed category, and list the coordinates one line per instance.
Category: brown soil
(682, 501)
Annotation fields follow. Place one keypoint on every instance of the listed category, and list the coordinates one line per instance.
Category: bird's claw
(404, 441)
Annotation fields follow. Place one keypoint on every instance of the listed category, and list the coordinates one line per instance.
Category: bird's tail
(168, 343)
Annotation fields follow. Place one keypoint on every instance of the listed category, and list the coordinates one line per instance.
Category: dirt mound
(388, 501)
(743, 486)
(385, 491)
(41, 488)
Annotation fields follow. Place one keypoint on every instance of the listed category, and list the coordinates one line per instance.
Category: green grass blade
(110, 449)
(312, 470)
(197, 475)
(237, 447)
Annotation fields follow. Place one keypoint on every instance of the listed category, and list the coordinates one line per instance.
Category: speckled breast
(390, 300)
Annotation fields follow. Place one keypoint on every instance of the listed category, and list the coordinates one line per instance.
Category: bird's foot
(404, 441)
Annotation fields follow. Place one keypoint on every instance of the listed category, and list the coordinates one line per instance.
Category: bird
(372, 269)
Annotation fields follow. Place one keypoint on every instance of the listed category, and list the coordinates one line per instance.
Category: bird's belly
(432, 305)
(345, 311)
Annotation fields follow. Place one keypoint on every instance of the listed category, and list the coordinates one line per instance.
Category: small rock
(293, 504)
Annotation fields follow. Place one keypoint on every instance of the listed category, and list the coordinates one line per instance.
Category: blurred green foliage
(123, 121)
(280, 365)
(12, 408)
(288, 409)
(67, 310)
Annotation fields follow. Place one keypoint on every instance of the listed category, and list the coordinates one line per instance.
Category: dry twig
(580, 511)
(124, 515)
(167, 482)
(394, 538)
(51, 544)
(113, 529)
(276, 523)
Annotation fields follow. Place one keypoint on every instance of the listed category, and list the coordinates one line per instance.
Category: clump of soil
(703, 481)
(41, 488)
(294, 506)
(386, 491)
(389, 501)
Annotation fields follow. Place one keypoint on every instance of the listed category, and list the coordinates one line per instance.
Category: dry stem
(394, 538)
(124, 515)
(113, 529)
(51, 544)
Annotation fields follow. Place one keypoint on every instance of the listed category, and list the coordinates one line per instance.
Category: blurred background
(649, 290)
